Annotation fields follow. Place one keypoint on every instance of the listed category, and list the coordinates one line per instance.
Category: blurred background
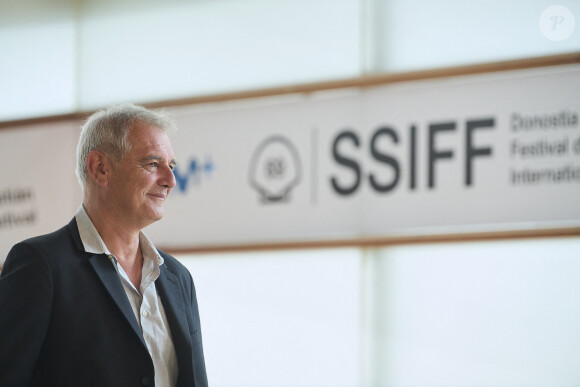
(497, 311)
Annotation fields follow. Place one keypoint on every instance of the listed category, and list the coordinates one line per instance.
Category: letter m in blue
(182, 178)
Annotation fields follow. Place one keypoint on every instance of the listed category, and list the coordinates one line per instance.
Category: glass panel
(474, 314)
(167, 49)
(279, 318)
(37, 60)
(421, 34)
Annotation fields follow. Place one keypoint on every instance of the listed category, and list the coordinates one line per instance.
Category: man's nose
(168, 178)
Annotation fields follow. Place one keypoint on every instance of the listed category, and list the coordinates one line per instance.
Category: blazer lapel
(172, 299)
(110, 278)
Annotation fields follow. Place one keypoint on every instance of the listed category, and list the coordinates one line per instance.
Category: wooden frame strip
(358, 82)
(385, 241)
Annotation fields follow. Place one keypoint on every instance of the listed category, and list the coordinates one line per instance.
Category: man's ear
(99, 167)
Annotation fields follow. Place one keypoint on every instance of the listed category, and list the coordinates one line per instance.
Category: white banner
(38, 188)
(474, 153)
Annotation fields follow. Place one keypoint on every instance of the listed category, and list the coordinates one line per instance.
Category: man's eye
(153, 164)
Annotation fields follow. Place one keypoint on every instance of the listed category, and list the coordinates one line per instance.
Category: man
(95, 303)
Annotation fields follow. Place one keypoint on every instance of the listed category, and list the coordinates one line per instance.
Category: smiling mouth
(158, 196)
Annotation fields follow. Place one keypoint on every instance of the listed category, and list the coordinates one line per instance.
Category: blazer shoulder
(173, 264)
(43, 252)
(65, 238)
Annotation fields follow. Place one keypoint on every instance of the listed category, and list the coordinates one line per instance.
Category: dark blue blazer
(65, 319)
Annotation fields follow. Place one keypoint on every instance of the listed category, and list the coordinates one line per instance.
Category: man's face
(144, 177)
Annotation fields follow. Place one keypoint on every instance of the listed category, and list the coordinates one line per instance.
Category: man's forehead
(150, 144)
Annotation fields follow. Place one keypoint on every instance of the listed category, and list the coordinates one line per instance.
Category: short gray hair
(107, 129)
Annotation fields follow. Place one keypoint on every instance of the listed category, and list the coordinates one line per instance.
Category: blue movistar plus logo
(193, 173)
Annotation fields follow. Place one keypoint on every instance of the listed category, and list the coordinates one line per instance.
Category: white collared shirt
(145, 302)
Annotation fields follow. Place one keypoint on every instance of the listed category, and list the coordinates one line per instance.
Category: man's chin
(156, 215)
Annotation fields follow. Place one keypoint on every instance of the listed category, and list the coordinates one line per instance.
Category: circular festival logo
(275, 169)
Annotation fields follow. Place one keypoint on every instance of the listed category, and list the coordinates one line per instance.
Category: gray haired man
(95, 303)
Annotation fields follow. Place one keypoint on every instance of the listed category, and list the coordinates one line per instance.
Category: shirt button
(146, 381)
(145, 313)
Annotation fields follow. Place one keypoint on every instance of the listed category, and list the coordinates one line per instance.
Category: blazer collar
(109, 278)
(74, 230)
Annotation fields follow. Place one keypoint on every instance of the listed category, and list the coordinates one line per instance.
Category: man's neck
(121, 240)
